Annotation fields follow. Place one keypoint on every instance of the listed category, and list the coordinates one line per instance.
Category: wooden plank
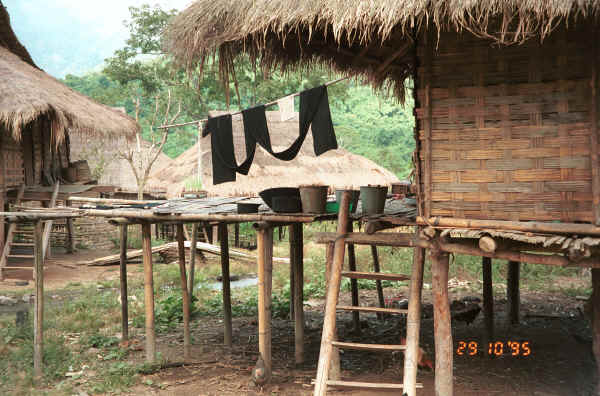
(372, 309)
(442, 324)
(264, 237)
(512, 291)
(375, 276)
(227, 321)
(48, 225)
(184, 292)
(368, 347)
(123, 282)
(297, 259)
(131, 254)
(148, 293)
(38, 319)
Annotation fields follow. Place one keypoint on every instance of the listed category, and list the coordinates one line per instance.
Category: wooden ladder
(9, 236)
(328, 375)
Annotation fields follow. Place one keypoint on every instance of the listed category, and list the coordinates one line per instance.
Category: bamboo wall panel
(14, 172)
(506, 131)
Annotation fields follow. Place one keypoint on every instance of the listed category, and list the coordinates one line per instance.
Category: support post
(215, 234)
(184, 292)
(193, 259)
(296, 258)
(228, 328)
(512, 291)
(442, 324)
(237, 235)
(378, 285)
(123, 280)
(335, 370)
(292, 275)
(596, 322)
(413, 323)
(488, 297)
(264, 237)
(148, 292)
(333, 290)
(353, 282)
(38, 319)
(70, 232)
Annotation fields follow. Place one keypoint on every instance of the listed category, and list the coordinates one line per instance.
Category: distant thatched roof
(373, 39)
(336, 168)
(26, 93)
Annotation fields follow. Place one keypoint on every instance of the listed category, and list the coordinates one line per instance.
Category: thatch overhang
(369, 39)
(28, 93)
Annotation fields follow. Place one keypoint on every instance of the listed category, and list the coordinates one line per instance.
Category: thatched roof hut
(336, 168)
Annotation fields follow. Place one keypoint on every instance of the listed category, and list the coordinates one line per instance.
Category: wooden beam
(379, 239)
(296, 259)
(442, 324)
(148, 292)
(413, 323)
(226, 282)
(512, 291)
(264, 237)
(191, 278)
(123, 281)
(488, 297)
(38, 319)
(353, 282)
(333, 290)
(184, 292)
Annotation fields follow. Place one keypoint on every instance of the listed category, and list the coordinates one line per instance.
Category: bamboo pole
(184, 292)
(264, 237)
(296, 259)
(236, 235)
(194, 242)
(48, 225)
(353, 282)
(378, 284)
(228, 327)
(148, 292)
(333, 290)
(38, 319)
(512, 291)
(413, 323)
(442, 324)
(596, 322)
(123, 281)
(488, 297)
(292, 272)
(335, 370)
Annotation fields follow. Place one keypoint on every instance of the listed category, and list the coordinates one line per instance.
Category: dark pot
(247, 207)
(373, 199)
(282, 193)
(314, 198)
(286, 204)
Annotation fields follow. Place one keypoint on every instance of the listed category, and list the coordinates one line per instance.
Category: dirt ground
(560, 363)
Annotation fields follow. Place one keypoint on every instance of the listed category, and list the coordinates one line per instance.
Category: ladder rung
(20, 256)
(375, 276)
(21, 244)
(372, 309)
(368, 347)
(367, 385)
(20, 268)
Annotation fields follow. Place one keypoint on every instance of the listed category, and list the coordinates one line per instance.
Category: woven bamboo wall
(505, 132)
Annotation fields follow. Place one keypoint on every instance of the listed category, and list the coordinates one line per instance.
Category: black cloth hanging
(223, 156)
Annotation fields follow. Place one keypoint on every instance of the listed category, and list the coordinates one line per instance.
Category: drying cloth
(315, 113)
(223, 156)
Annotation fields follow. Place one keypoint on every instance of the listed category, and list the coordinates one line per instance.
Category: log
(296, 256)
(38, 319)
(184, 292)
(207, 247)
(413, 323)
(148, 293)
(378, 284)
(353, 282)
(227, 322)
(488, 297)
(265, 267)
(487, 244)
(329, 326)
(194, 242)
(123, 281)
(442, 324)
(512, 291)
(399, 239)
(429, 233)
(131, 254)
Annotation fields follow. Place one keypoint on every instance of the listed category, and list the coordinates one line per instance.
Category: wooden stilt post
(265, 272)
(596, 322)
(193, 259)
(296, 257)
(292, 273)
(378, 285)
(148, 292)
(353, 282)
(512, 291)
(442, 324)
(335, 370)
(70, 232)
(488, 297)
(38, 319)
(184, 291)
(413, 323)
(123, 279)
(228, 328)
(329, 325)
(237, 235)
(215, 234)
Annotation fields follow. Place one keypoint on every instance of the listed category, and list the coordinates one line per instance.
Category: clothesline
(273, 103)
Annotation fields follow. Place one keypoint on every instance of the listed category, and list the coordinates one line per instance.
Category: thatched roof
(372, 39)
(26, 93)
(336, 168)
